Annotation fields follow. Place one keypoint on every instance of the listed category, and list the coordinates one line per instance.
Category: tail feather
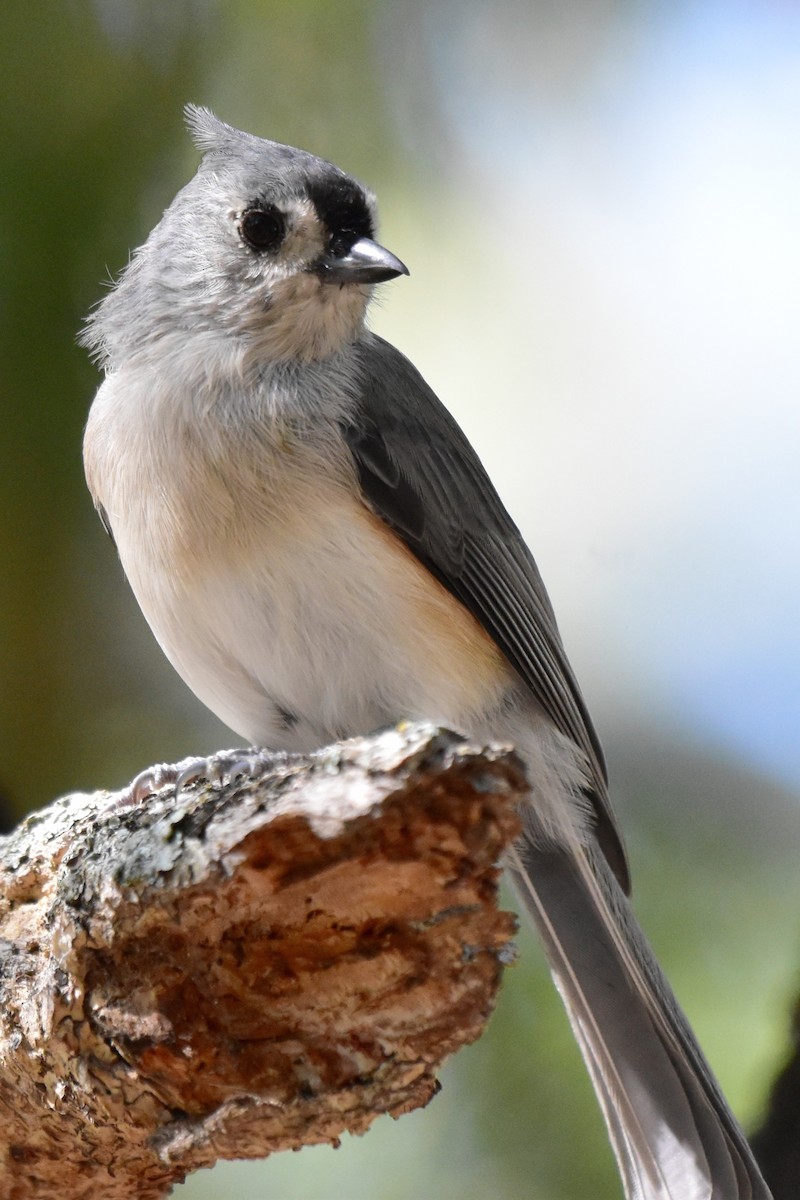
(672, 1131)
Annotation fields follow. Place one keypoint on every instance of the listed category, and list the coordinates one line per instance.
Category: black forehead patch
(341, 205)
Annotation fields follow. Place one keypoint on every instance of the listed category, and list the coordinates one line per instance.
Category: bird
(320, 553)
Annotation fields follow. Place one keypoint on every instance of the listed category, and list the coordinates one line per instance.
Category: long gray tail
(672, 1131)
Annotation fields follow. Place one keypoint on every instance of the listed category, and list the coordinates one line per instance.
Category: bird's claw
(149, 782)
(218, 770)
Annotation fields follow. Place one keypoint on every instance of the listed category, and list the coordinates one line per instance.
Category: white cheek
(295, 315)
(305, 240)
(308, 320)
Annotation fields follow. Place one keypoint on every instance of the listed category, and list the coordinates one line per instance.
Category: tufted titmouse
(319, 552)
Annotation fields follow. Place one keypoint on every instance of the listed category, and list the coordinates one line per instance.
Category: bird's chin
(308, 320)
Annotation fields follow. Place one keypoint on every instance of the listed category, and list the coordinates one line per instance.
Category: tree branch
(248, 966)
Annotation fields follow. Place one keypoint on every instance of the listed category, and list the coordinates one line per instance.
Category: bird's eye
(261, 228)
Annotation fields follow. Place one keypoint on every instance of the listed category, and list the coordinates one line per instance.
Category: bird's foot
(218, 770)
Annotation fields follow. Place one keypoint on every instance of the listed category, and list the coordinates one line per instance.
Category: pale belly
(319, 627)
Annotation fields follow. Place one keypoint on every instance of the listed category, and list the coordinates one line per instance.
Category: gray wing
(671, 1128)
(419, 473)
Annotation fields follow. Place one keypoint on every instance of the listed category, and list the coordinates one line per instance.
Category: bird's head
(267, 253)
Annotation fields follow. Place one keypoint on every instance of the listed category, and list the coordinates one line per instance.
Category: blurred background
(600, 206)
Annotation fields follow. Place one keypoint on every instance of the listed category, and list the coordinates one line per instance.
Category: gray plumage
(320, 552)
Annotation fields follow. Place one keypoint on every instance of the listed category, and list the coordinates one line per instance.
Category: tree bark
(246, 964)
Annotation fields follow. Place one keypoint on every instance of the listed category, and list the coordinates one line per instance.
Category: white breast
(288, 608)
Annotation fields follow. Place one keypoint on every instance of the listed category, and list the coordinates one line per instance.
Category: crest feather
(207, 132)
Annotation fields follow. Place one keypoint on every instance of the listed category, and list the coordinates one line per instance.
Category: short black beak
(365, 262)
